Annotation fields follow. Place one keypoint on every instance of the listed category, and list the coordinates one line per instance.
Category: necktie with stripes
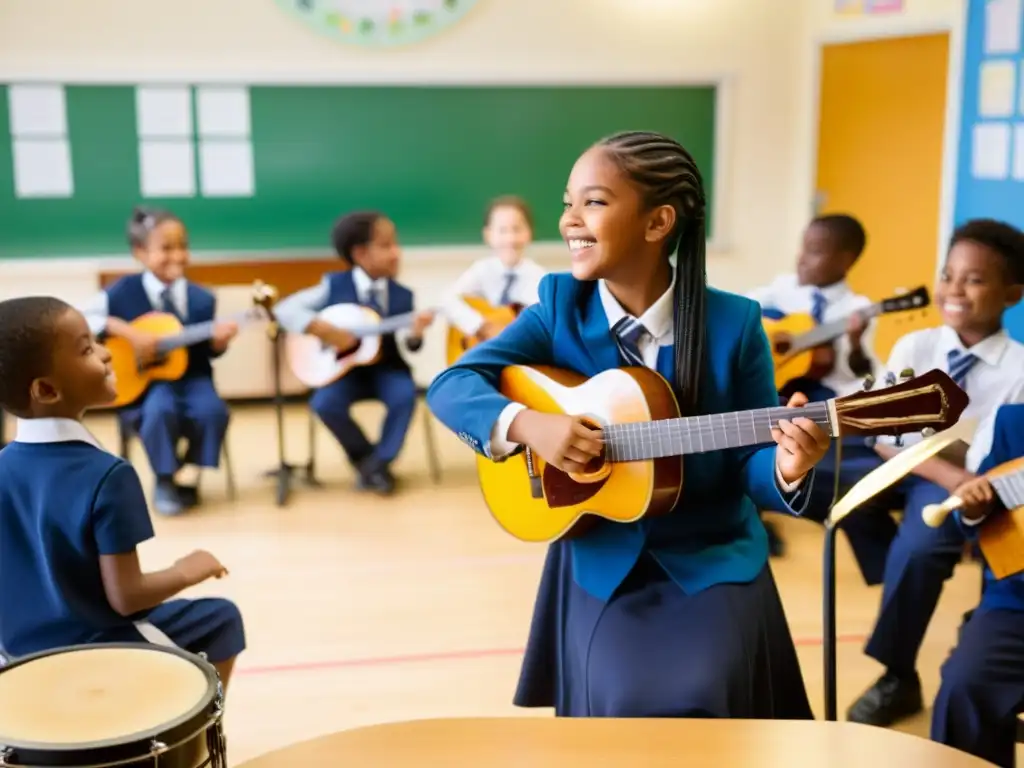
(627, 332)
(818, 306)
(169, 306)
(506, 291)
(960, 365)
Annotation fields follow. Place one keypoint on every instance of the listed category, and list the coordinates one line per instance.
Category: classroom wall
(763, 50)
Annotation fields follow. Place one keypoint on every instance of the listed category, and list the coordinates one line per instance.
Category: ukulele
(640, 473)
(458, 342)
(133, 377)
(316, 363)
(802, 349)
(1000, 537)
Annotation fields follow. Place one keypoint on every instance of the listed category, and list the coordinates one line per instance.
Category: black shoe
(888, 701)
(189, 495)
(376, 478)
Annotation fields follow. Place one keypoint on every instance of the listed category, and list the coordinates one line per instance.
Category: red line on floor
(419, 658)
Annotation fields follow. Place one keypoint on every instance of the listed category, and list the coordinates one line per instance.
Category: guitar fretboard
(1010, 488)
(645, 440)
(830, 331)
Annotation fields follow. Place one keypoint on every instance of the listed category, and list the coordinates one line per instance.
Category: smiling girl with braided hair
(676, 615)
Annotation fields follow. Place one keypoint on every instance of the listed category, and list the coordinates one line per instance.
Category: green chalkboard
(430, 157)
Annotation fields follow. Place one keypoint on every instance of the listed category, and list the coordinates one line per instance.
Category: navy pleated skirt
(654, 651)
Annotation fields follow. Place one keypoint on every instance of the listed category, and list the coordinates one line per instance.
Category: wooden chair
(128, 430)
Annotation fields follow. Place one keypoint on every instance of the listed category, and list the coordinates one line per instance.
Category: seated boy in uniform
(72, 514)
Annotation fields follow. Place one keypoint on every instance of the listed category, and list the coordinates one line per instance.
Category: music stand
(285, 471)
(872, 484)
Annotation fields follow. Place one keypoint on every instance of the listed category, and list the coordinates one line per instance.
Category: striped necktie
(506, 291)
(169, 306)
(627, 332)
(818, 306)
(960, 364)
(374, 299)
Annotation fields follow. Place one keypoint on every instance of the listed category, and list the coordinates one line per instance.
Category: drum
(94, 706)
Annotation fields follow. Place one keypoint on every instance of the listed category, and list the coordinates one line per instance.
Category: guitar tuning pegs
(870, 442)
(898, 441)
(869, 382)
(890, 379)
(927, 432)
(906, 374)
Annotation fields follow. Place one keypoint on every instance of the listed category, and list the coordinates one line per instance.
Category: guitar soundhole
(782, 345)
(560, 490)
(341, 353)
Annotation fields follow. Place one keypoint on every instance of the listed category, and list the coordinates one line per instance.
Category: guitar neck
(830, 331)
(1009, 488)
(386, 325)
(196, 333)
(646, 440)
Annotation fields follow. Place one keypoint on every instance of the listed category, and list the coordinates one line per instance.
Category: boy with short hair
(983, 275)
(982, 689)
(72, 514)
(368, 241)
(831, 245)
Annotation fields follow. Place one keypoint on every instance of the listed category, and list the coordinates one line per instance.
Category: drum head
(101, 703)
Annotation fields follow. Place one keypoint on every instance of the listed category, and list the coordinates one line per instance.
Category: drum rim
(197, 712)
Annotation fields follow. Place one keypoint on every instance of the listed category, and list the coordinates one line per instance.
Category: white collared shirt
(97, 309)
(486, 279)
(789, 297)
(54, 431)
(297, 311)
(658, 321)
(996, 379)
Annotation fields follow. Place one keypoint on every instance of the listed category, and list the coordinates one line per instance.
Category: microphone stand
(285, 471)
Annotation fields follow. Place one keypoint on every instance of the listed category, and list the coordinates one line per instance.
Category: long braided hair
(667, 175)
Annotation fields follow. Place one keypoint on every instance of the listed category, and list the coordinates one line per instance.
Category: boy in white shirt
(831, 245)
(982, 277)
(507, 277)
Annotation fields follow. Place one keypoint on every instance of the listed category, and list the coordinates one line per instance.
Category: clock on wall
(379, 22)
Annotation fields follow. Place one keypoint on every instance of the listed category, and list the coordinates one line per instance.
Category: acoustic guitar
(799, 346)
(134, 377)
(316, 363)
(458, 342)
(1001, 536)
(641, 470)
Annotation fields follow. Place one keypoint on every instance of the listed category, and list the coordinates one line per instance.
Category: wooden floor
(360, 610)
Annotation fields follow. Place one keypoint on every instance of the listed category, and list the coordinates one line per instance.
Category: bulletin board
(990, 162)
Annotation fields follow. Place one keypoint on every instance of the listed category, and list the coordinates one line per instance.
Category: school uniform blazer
(714, 534)
(1007, 445)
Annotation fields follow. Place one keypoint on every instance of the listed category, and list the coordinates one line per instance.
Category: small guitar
(458, 342)
(1001, 537)
(641, 470)
(133, 378)
(316, 363)
(796, 340)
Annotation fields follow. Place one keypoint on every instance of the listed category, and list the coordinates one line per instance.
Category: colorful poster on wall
(867, 7)
(379, 22)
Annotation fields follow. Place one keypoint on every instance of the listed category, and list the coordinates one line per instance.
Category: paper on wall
(1002, 26)
(991, 151)
(42, 168)
(996, 89)
(167, 168)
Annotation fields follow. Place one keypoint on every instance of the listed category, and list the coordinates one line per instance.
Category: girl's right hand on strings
(145, 346)
(563, 441)
(199, 566)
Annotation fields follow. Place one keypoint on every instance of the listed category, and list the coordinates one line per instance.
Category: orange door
(881, 122)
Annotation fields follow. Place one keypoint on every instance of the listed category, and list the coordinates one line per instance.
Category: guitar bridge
(536, 486)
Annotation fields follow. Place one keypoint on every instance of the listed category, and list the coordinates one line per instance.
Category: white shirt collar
(989, 350)
(657, 319)
(54, 431)
(155, 287)
(834, 292)
(364, 283)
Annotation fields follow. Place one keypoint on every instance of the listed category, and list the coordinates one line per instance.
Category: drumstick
(935, 514)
